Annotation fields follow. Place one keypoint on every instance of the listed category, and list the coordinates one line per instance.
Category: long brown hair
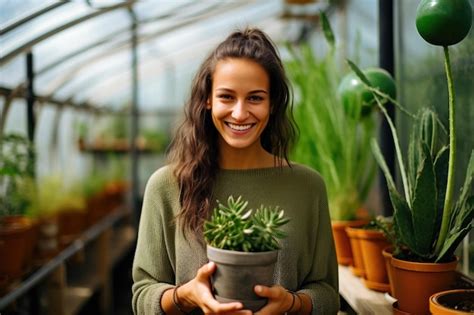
(194, 149)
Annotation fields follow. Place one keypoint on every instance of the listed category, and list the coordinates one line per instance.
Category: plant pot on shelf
(387, 255)
(415, 282)
(71, 223)
(452, 302)
(372, 242)
(14, 231)
(358, 268)
(341, 240)
(237, 274)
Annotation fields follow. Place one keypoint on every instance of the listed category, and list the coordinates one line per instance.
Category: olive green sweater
(306, 262)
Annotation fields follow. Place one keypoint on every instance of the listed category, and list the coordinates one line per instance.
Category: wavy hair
(194, 149)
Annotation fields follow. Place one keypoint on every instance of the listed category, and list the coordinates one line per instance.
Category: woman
(234, 141)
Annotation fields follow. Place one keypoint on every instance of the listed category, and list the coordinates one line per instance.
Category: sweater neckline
(258, 171)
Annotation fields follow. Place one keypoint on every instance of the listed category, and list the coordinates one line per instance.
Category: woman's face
(240, 103)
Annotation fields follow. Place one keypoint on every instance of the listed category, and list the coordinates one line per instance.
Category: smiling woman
(240, 106)
(234, 140)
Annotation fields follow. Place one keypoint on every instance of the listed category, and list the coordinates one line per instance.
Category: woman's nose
(240, 111)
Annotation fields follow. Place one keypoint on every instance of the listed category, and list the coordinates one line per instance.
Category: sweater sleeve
(153, 271)
(322, 282)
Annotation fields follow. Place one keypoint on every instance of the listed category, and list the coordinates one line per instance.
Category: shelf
(80, 270)
(359, 297)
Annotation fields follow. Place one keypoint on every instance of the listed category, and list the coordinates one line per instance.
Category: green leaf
(359, 73)
(424, 204)
(451, 243)
(327, 30)
(441, 173)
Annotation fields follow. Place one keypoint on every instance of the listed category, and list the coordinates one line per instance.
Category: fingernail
(258, 289)
(210, 265)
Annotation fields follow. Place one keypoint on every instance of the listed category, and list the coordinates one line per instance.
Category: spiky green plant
(419, 210)
(233, 227)
(332, 140)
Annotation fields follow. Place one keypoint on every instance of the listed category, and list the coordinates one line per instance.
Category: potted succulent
(244, 245)
(429, 222)
(336, 125)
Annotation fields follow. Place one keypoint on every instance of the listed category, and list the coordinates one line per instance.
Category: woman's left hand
(279, 299)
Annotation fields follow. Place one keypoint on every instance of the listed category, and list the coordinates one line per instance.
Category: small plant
(233, 227)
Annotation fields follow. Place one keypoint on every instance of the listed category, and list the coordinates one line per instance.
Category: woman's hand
(197, 293)
(279, 300)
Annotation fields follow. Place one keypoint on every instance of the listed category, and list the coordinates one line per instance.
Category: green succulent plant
(233, 227)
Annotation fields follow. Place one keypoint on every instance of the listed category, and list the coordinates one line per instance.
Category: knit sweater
(306, 262)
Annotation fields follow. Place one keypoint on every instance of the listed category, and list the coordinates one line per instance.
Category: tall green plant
(419, 210)
(17, 163)
(333, 140)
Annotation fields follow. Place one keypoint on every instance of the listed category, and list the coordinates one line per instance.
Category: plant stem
(447, 209)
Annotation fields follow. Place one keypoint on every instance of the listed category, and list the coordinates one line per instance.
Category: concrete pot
(237, 274)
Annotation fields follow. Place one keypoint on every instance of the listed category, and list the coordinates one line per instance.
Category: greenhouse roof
(82, 51)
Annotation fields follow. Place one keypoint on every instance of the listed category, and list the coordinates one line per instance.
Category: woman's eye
(224, 96)
(255, 98)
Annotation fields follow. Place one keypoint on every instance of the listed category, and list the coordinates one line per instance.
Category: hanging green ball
(355, 95)
(444, 22)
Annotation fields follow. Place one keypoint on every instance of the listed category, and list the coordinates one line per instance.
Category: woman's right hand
(197, 293)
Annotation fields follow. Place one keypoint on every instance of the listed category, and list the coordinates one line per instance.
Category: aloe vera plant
(233, 227)
(420, 211)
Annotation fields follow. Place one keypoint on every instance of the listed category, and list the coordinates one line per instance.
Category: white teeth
(239, 127)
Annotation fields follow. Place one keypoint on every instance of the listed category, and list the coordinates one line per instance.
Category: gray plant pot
(237, 274)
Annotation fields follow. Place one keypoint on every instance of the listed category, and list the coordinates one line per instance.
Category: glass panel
(422, 83)
(12, 10)
(16, 119)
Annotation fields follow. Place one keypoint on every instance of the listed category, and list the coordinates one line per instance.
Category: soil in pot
(452, 302)
(237, 274)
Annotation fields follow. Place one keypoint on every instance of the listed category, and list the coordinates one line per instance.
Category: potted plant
(16, 229)
(429, 222)
(452, 302)
(373, 240)
(336, 126)
(244, 245)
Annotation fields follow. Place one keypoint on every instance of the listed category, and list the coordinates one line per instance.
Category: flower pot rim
(371, 234)
(424, 266)
(348, 223)
(225, 256)
(436, 306)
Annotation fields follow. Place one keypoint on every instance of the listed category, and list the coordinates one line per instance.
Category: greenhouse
(237, 156)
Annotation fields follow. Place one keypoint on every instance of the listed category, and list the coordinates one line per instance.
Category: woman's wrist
(181, 297)
(295, 302)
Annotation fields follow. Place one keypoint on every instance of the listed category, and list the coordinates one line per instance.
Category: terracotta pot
(237, 274)
(452, 302)
(341, 240)
(372, 242)
(415, 282)
(71, 224)
(358, 268)
(13, 246)
(387, 255)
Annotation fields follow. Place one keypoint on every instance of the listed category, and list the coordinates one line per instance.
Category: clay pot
(237, 274)
(387, 255)
(341, 240)
(452, 302)
(13, 246)
(358, 268)
(372, 243)
(415, 282)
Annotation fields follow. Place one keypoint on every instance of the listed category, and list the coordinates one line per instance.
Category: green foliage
(332, 140)
(17, 165)
(418, 211)
(232, 227)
